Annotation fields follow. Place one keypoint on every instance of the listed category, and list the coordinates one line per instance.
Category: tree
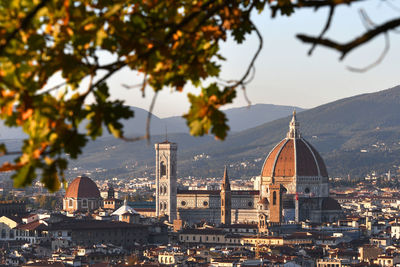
(171, 43)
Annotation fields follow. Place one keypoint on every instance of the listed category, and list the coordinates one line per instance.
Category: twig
(358, 41)
(245, 96)
(54, 88)
(325, 29)
(147, 134)
(366, 20)
(316, 4)
(251, 65)
(132, 86)
(392, 6)
(378, 61)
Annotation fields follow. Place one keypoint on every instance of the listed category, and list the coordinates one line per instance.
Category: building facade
(293, 187)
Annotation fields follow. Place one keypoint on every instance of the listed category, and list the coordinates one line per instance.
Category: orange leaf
(27, 114)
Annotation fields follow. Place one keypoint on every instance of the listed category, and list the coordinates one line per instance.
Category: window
(84, 203)
(205, 203)
(70, 203)
(163, 169)
(250, 204)
(183, 203)
(274, 198)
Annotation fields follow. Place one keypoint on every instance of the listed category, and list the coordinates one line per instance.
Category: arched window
(163, 169)
(274, 198)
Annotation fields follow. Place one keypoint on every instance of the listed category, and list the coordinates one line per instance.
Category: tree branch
(327, 25)
(378, 61)
(316, 4)
(357, 42)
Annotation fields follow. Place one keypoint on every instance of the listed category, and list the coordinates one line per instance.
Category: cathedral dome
(294, 156)
(82, 187)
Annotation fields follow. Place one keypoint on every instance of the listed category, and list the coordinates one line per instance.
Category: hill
(244, 118)
(354, 135)
(239, 119)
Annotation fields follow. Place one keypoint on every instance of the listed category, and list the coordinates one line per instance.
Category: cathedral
(293, 186)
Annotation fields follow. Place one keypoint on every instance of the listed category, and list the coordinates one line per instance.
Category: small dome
(124, 209)
(82, 187)
(330, 204)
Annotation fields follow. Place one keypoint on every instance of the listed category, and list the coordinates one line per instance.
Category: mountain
(239, 119)
(244, 118)
(354, 135)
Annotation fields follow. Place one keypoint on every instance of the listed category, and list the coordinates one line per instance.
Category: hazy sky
(285, 75)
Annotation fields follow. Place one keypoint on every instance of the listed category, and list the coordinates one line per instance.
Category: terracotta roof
(294, 157)
(36, 225)
(93, 224)
(82, 187)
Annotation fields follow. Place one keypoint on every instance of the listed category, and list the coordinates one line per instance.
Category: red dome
(82, 187)
(294, 156)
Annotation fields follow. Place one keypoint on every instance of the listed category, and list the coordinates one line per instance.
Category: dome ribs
(306, 162)
(284, 164)
(82, 187)
(269, 163)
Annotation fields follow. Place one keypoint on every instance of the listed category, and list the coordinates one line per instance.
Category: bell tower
(275, 203)
(226, 200)
(166, 158)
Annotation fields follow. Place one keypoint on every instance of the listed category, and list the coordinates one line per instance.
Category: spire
(294, 129)
(225, 181)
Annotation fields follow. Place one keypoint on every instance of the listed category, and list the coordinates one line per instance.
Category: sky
(285, 74)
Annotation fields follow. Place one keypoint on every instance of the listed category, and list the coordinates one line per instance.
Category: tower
(275, 203)
(166, 157)
(110, 192)
(226, 199)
